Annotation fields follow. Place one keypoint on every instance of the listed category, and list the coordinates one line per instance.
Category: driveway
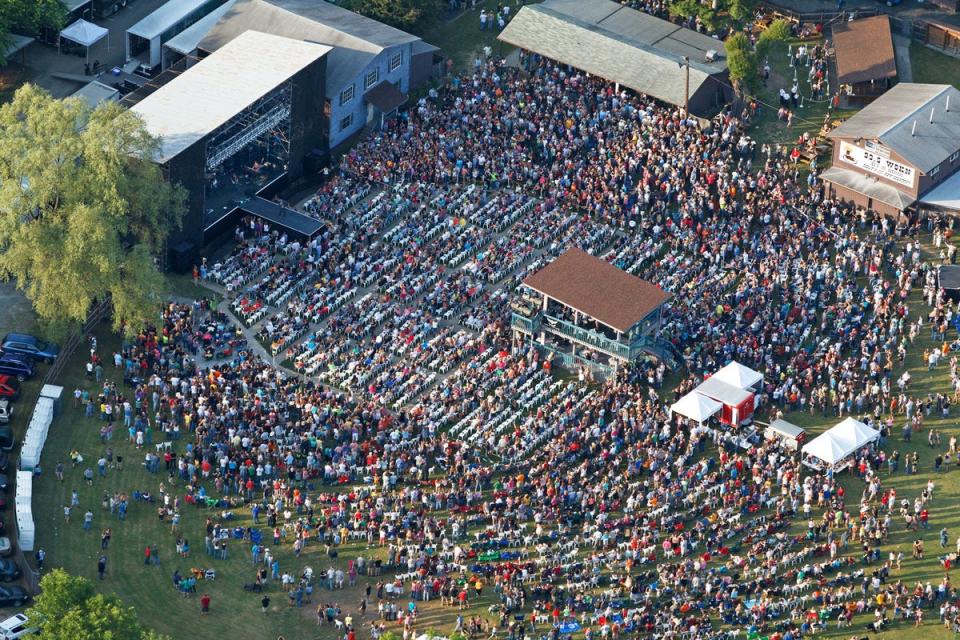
(43, 60)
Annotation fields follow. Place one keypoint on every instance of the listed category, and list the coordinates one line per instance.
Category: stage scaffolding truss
(269, 115)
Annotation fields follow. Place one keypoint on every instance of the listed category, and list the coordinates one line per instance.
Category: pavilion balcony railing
(589, 337)
(570, 361)
(523, 323)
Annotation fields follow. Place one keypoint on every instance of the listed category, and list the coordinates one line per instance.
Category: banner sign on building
(876, 164)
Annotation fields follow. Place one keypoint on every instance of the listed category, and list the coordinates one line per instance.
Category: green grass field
(236, 613)
(807, 118)
(932, 66)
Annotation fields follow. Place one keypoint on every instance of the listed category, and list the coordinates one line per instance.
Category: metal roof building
(187, 41)
(197, 102)
(629, 47)
(902, 148)
(356, 39)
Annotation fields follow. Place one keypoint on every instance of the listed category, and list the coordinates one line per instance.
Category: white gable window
(347, 94)
(371, 78)
(396, 61)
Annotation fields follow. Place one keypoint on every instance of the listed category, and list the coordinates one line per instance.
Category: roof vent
(948, 104)
(711, 55)
(931, 116)
(913, 129)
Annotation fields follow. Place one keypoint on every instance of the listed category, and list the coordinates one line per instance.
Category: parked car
(16, 627)
(13, 596)
(32, 346)
(6, 548)
(18, 366)
(6, 410)
(9, 387)
(4, 461)
(9, 571)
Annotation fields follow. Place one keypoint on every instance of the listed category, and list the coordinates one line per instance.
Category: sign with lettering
(876, 164)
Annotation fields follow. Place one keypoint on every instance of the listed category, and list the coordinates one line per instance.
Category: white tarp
(827, 448)
(854, 433)
(698, 408)
(738, 375)
(721, 391)
(84, 33)
(840, 441)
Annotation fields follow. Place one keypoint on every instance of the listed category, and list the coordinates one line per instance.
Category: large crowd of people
(405, 417)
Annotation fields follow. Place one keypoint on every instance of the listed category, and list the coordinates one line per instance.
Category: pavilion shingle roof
(598, 289)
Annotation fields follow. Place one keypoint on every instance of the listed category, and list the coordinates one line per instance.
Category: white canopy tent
(827, 448)
(840, 441)
(738, 375)
(85, 34)
(854, 433)
(696, 407)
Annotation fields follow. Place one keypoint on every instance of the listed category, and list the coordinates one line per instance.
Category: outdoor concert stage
(234, 123)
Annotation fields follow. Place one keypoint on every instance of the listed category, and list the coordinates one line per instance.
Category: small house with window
(586, 313)
(370, 71)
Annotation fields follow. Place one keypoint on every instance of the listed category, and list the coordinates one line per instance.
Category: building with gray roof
(366, 53)
(901, 151)
(631, 48)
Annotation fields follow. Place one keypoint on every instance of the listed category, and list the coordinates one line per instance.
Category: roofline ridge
(945, 87)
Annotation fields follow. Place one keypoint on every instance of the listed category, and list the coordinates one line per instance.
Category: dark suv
(16, 365)
(32, 346)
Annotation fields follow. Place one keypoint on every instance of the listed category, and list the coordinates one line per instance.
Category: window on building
(934, 171)
(954, 157)
(371, 78)
(346, 122)
(396, 61)
(347, 94)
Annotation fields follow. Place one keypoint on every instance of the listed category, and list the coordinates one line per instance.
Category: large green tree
(743, 59)
(403, 14)
(69, 608)
(83, 209)
(28, 17)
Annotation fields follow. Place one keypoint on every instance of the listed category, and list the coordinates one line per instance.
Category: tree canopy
(743, 59)
(83, 209)
(403, 14)
(68, 608)
(28, 17)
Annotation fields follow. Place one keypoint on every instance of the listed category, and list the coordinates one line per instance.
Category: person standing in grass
(204, 604)
(265, 603)
(101, 565)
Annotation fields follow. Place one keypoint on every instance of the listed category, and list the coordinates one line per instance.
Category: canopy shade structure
(840, 441)
(827, 449)
(738, 375)
(723, 391)
(697, 407)
(787, 429)
(86, 34)
(854, 433)
(17, 43)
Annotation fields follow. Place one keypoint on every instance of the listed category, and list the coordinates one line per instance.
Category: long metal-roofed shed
(898, 150)
(257, 89)
(866, 64)
(633, 49)
(171, 18)
(588, 311)
(186, 42)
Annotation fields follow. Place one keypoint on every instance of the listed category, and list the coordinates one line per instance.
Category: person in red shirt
(205, 604)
